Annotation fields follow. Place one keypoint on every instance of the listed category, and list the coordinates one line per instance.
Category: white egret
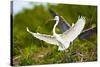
(62, 40)
(64, 26)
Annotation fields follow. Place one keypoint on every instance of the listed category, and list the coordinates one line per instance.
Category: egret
(62, 40)
(64, 26)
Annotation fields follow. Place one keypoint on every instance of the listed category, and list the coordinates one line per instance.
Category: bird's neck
(54, 33)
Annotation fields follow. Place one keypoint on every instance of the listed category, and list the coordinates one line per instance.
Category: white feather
(74, 31)
(46, 38)
(62, 40)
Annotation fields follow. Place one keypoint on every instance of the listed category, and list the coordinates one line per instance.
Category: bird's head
(56, 18)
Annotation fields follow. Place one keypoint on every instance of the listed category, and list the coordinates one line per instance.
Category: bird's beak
(50, 20)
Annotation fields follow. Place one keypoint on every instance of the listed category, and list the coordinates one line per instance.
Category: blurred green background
(28, 50)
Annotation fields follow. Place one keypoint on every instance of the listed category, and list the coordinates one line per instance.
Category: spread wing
(63, 25)
(47, 38)
(75, 30)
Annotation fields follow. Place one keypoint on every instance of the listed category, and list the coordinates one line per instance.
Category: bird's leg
(64, 56)
(68, 51)
(70, 47)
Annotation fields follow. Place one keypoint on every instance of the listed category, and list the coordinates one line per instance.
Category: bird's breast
(63, 43)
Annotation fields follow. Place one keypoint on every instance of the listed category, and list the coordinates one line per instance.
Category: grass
(79, 51)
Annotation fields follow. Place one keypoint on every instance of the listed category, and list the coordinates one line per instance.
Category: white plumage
(62, 40)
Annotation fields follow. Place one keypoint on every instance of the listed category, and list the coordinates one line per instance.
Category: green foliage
(28, 50)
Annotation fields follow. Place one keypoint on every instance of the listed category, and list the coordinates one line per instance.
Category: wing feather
(75, 30)
(46, 38)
